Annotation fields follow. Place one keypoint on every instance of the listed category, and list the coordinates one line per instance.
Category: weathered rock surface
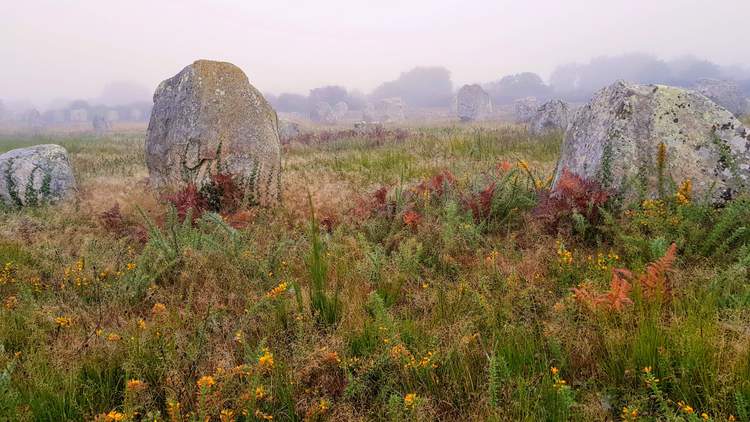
(724, 93)
(549, 117)
(473, 103)
(525, 108)
(209, 119)
(615, 139)
(35, 175)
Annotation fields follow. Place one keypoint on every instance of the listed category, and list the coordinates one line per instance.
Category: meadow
(425, 276)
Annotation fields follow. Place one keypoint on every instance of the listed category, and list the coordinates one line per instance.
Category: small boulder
(208, 119)
(35, 175)
(724, 93)
(638, 140)
(549, 117)
(473, 103)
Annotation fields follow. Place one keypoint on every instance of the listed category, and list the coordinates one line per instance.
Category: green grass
(362, 311)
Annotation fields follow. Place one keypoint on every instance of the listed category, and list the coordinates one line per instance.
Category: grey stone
(35, 175)
(389, 110)
(339, 111)
(322, 113)
(209, 119)
(288, 130)
(549, 117)
(473, 103)
(615, 140)
(724, 93)
(101, 124)
(525, 108)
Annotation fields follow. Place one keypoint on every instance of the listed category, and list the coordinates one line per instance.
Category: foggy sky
(73, 48)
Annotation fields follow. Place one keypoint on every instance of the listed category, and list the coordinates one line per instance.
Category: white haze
(75, 48)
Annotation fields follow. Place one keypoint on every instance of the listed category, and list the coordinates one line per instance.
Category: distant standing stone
(473, 103)
(209, 119)
(618, 138)
(549, 117)
(390, 110)
(35, 175)
(321, 113)
(101, 124)
(525, 108)
(288, 130)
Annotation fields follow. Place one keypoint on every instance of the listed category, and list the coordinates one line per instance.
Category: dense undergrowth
(426, 277)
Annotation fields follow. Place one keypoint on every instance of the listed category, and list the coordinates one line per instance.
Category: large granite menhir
(208, 119)
(616, 138)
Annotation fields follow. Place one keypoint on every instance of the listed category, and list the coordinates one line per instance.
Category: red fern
(572, 194)
(654, 282)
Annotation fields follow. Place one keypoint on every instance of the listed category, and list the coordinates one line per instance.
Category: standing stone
(321, 112)
(288, 130)
(339, 112)
(724, 93)
(616, 140)
(525, 108)
(390, 110)
(101, 125)
(208, 119)
(35, 175)
(551, 116)
(473, 103)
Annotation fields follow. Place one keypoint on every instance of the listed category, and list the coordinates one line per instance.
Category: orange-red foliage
(572, 194)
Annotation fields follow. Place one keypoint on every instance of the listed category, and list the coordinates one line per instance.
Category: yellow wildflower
(135, 385)
(141, 324)
(226, 415)
(264, 416)
(276, 291)
(114, 416)
(63, 322)
(173, 410)
(131, 266)
(266, 359)
(554, 370)
(113, 337)
(158, 309)
(523, 165)
(206, 381)
(260, 392)
(409, 399)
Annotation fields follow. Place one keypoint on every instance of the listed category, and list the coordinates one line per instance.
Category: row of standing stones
(209, 119)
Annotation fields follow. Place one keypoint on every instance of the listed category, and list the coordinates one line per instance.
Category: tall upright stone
(473, 103)
(209, 119)
(550, 117)
(640, 140)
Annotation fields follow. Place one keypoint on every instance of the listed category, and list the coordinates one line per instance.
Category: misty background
(110, 56)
